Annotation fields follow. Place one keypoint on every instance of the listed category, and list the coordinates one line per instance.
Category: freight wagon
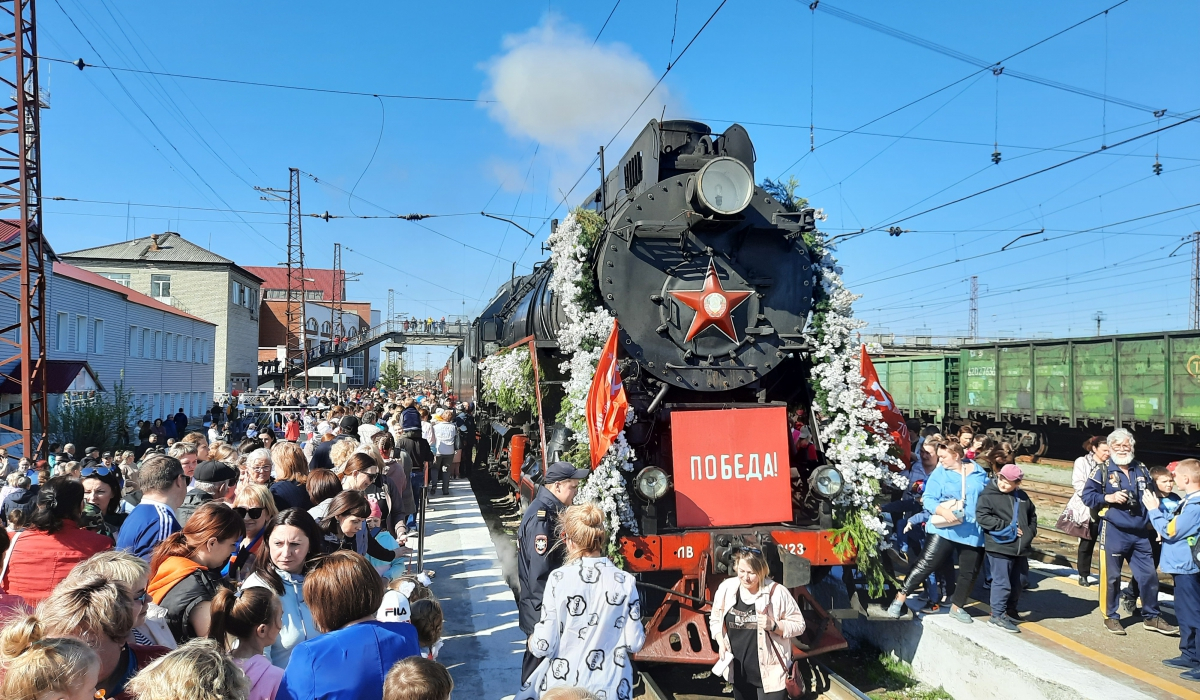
(1048, 394)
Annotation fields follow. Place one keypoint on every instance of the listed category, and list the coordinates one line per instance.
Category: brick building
(181, 274)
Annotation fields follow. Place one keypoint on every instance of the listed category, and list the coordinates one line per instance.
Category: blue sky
(556, 97)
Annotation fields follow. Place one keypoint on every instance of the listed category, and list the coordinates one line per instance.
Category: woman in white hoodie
(752, 620)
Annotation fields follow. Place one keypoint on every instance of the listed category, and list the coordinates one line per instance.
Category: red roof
(276, 278)
(81, 275)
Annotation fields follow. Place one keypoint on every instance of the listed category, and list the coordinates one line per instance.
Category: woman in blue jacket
(352, 658)
(291, 543)
(951, 493)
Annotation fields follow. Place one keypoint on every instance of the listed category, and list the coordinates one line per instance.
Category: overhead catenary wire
(81, 64)
(947, 87)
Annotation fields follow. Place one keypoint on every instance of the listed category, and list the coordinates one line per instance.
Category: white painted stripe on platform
(483, 644)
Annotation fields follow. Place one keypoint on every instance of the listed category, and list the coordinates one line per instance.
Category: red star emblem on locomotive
(713, 305)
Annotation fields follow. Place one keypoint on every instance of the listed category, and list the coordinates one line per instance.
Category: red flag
(896, 425)
(606, 402)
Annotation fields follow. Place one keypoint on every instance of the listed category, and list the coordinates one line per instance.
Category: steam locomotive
(712, 284)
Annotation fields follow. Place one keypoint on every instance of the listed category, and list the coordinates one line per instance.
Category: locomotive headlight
(725, 186)
(652, 483)
(826, 482)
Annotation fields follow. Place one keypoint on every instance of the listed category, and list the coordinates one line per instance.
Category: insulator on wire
(996, 157)
(1157, 167)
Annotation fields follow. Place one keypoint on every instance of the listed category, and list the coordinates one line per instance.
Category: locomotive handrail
(673, 592)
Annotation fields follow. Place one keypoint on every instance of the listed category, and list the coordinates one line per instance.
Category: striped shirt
(148, 524)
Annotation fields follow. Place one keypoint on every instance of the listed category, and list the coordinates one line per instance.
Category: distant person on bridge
(1115, 489)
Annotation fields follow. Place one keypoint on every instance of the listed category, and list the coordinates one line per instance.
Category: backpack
(1009, 534)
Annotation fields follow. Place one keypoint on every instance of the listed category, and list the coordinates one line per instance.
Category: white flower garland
(582, 337)
(506, 379)
(854, 434)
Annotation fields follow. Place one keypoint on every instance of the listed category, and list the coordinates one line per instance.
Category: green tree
(390, 377)
(785, 192)
(101, 419)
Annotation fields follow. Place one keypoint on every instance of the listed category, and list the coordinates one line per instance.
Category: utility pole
(1195, 312)
(391, 315)
(294, 340)
(1098, 318)
(335, 309)
(973, 319)
(23, 256)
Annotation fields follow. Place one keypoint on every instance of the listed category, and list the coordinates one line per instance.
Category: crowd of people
(964, 514)
(242, 561)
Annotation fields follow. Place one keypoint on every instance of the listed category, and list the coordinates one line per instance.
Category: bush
(100, 419)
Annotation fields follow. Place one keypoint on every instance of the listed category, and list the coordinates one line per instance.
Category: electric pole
(1195, 307)
(1098, 318)
(335, 309)
(391, 315)
(973, 319)
(23, 256)
(295, 345)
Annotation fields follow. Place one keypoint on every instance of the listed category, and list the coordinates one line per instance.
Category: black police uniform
(536, 558)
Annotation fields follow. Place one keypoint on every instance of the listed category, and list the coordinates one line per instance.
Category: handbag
(954, 506)
(1068, 525)
(793, 681)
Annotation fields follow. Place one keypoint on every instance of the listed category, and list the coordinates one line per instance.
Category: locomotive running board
(678, 631)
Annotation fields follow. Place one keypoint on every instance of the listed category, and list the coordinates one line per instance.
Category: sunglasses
(252, 513)
(97, 471)
(752, 550)
(143, 597)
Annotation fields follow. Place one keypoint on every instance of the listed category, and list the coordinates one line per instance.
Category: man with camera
(1114, 492)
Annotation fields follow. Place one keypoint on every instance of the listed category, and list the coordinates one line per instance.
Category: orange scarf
(170, 572)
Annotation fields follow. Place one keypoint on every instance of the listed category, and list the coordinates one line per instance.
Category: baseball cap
(1012, 472)
(212, 472)
(560, 471)
(349, 423)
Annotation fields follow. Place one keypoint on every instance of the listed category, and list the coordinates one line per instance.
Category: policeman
(465, 420)
(1115, 489)
(1178, 534)
(537, 554)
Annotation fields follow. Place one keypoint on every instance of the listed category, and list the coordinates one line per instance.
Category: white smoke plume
(552, 85)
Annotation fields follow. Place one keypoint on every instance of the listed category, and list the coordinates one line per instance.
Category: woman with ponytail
(591, 616)
(185, 571)
(244, 624)
(51, 544)
(36, 668)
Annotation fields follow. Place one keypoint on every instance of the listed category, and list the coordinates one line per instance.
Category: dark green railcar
(1029, 391)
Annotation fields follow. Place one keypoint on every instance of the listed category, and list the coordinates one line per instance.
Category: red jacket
(39, 559)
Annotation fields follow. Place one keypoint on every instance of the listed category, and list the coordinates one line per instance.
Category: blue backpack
(1009, 534)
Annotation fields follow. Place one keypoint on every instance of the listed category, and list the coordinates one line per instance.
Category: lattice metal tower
(296, 289)
(335, 308)
(22, 246)
(973, 319)
(1195, 308)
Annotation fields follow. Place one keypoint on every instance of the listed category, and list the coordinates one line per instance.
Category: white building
(198, 282)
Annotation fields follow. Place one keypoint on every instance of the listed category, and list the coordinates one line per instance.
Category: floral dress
(591, 624)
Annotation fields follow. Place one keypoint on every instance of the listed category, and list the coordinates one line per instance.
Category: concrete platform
(1063, 650)
(483, 645)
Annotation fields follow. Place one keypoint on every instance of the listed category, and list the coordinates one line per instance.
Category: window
(274, 293)
(174, 347)
(253, 299)
(98, 336)
(121, 278)
(241, 295)
(60, 332)
(81, 334)
(160, 285)
(314, 294)
(156, 351)
(134, 336)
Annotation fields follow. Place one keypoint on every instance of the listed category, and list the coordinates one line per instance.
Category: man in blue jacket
(164, 486)
(1177, 560)
(1115, 490)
